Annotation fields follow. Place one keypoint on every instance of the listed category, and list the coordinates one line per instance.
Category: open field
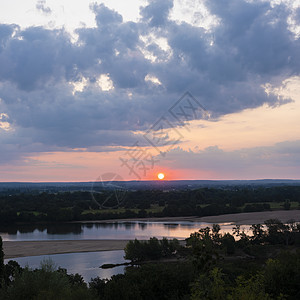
(276, 205)
(152, 209)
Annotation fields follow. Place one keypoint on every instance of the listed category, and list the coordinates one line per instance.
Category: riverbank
(32, 248)
(238, 219)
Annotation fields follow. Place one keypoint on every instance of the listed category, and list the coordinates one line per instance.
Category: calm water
(104, 231)
(87, 264)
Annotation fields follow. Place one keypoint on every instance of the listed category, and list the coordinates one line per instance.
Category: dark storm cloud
(34, 56)
(225, 68)
(260, 33)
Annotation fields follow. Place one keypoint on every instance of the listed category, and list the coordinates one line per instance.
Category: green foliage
(279, 279)
(138, 251)
(45, 283)
(277, 232)
(149, 281)
(228, 242)
(203, 244)
(11, 270)
(97, 285)
(204, 276)
(211, 287)
(243, 238)
(258, 233)
(79, 205)
(282, 275)
(249, 289)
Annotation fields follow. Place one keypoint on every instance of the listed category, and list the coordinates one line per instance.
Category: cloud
(225, 68)
(41, 6)
(157, 12)
(105, 16)
(297, 15)
(281, 160)
(33, 57)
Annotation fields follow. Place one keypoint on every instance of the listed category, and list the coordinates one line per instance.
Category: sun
(160, 176)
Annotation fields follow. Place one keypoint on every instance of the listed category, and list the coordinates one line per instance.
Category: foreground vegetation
(263, 265)
(80, 206)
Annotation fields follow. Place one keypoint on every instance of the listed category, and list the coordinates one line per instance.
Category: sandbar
(14, 249)
(239, 219)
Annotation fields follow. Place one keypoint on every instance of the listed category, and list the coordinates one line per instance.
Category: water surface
(86, 264)
(105, 231)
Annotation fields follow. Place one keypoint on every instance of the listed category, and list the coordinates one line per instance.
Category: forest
(39, 207)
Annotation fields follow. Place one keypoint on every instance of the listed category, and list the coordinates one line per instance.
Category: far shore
(238, 219)
(13, 249)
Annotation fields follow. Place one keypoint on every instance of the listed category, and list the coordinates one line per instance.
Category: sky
(201, 89)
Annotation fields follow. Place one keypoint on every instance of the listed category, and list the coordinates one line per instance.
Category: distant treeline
(76, 206)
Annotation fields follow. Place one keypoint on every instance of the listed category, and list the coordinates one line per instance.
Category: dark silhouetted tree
(1, 263)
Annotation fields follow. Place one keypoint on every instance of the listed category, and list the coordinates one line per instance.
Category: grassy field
(153, 209)
(156, 208)
(36, 213)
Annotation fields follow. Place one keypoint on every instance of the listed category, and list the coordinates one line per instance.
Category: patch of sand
(253, 217)
(31, 248)
(239, 219)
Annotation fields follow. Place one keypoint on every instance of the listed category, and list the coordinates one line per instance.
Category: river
(87, 264)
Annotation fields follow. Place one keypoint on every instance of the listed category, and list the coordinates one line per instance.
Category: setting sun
(161, 176)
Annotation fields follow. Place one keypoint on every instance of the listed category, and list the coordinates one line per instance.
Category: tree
(277, 232)
(1, 263)
(46, 283)
(250, 289)
(228, 243)
(203, 249)
(11, 270)
(209, 286)
(216, 236)
(134, 251)
(98, 285)
(282, 275)
(287, 204)
(258, 233)
(137, 251)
